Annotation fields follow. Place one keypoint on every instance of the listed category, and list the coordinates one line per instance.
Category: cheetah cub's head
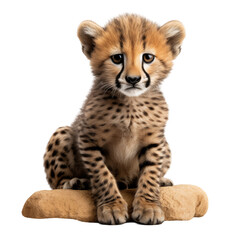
(130, 54)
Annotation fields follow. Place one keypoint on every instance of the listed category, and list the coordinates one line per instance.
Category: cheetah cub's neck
(128, 114)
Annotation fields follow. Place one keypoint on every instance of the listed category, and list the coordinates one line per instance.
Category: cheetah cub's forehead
(131, 54)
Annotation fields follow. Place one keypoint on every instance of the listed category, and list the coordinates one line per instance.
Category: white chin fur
(132, 92)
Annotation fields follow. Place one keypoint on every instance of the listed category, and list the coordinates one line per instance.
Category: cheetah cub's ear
(174, 33)
(88, 31)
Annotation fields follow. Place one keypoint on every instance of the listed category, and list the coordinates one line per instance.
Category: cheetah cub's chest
(124, 147)
(122, 151)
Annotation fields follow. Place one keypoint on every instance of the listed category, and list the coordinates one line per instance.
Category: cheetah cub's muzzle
(133, 78)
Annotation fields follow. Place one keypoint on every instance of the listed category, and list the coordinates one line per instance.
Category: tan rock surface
(180, 202)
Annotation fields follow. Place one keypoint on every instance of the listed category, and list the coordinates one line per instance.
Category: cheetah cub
(117, 141)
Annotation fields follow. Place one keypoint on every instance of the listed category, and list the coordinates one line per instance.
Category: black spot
(57, 142)
(114, 116)
(144, 41)
(93, 164)
(118, 110)
(46, 164)
(65, 148)
(106, 193)
(149, 134)
(164, 109)
(109, 199)
(63, 154)
(96, 180)
(55, 152)
(55, 133)
(144, 149)
(60, 174)
(63, 166)
(92, 134)
(106, 130)
(52, 173)
(96, 171)
(49, 147)
(145, 164)
(120, 104)
(109, 108)
(121, 40)
(105, 181)
(105, 173)
(98, 159)
(63, 132)
(144, 186)
(95, 148)
(145, 113)
(150, 183)
(55, 166)
(92, 116)
(146, 102)
(86, 162)
(52, 162)
(153, 178)
(151, 108)
(86, 155)
(153, 172)
(154, 154)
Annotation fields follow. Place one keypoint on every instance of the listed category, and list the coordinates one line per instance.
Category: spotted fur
(117, 141)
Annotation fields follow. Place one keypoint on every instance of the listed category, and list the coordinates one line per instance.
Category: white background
(45, 79)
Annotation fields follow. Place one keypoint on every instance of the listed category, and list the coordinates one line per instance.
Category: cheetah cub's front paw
(113, 213)
(147, 212)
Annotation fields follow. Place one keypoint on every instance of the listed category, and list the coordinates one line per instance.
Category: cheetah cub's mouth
(132, 91)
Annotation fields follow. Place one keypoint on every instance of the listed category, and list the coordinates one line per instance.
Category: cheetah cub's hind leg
(59, 154)
(165, 182)
(77, 184)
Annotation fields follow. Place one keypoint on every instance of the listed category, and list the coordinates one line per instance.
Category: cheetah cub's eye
(117, 58)
(148, 58)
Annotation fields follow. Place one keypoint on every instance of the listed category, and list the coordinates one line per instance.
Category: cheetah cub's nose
(133, 79)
